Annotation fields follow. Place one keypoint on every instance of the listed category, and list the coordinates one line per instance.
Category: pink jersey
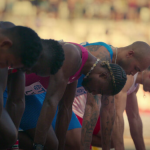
(36, 84)
(77, 75)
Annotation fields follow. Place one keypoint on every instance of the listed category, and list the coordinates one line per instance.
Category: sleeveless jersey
(81, 96)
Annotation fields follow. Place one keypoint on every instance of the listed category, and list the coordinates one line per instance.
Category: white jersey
(134, 85)
(79, 103)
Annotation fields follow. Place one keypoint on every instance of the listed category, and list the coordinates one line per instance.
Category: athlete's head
(51, 58)
(19, 47)
(106, 79)
(135, 57)
(145, 75)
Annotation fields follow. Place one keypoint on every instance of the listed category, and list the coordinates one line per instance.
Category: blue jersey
(80, 89)
(108, 47)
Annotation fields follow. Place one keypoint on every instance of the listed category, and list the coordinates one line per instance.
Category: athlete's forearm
(16, 110)
(65, 113)
(89, 121)
(117, 134)
(16, 101)
(62, 123)
(118, 128)
(135, 122)
(45, 119)
(107, 116)
(88, 125)
(136, 130)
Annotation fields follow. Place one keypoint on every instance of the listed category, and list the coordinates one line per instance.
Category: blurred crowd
(135, 10)
(110, 21)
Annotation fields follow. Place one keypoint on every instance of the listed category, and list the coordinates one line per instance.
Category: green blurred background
(117, 22)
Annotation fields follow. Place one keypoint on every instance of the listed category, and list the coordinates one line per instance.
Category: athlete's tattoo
(89, 121)
(107, 119)
(88, 113)
(93, 47)
(87, 130)
(105, 100)
(99, 52)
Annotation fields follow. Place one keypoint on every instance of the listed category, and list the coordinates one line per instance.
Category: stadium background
(117, 22)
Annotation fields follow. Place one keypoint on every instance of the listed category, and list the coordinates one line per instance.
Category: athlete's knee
(55, 144)
(52, 144)
(9, 139)
(13, 136)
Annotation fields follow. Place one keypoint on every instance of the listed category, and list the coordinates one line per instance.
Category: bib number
(35, 88)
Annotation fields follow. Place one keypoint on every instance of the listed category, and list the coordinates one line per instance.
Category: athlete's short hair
(118, 76)
(26, 44)
(57, 54)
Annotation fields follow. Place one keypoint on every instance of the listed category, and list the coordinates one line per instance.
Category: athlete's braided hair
(118, 76)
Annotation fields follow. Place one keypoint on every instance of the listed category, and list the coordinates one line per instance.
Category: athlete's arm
(16, 102)
(55, 91)
(65, 113)
(54, 94)
(3, 82)
(107, 109)
(107, 115)
(135, 123)
(89, 120)
(118, 128)
(120, 105)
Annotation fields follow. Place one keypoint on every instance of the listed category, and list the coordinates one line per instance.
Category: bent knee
(9, 139)
(13, 137)
(53, 145)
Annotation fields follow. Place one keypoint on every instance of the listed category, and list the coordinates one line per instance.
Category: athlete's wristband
(38, 146)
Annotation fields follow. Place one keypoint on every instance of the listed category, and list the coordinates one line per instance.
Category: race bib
(80, 91)
(35, 88)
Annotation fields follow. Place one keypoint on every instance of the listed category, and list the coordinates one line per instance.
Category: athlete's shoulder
(72, 51)
(73, 59)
